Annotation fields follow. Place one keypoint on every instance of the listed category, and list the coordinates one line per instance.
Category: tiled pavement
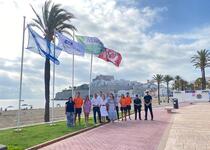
(190, 129)
(130, 135)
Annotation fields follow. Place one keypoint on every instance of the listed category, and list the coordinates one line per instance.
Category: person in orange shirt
(123, 107)
(128, 102)
(78, 107)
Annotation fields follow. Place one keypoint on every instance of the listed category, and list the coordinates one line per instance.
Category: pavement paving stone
(190, 128)
(130, 135)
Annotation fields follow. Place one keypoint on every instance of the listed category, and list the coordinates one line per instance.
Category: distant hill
(107, 83)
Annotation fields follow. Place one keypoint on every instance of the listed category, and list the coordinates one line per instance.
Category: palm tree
(208, 85)
(198, 83)
(191, 86)
(183, 84)
(167, 79)
(53, 18)
(177, 82)
(201, 60)
(158, 78)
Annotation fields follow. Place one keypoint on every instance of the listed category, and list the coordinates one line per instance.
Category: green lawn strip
(37, 134)
(33, 135)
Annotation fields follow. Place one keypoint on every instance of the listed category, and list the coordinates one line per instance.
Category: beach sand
(31, 116)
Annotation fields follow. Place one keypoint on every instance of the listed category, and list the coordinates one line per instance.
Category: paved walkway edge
(164, 138)
(63, 137)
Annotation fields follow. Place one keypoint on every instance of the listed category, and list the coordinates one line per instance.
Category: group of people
(105, 107)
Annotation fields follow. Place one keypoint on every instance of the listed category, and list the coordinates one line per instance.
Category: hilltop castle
(107, 83)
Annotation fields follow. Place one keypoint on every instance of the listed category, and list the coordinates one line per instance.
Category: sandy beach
(31, 116)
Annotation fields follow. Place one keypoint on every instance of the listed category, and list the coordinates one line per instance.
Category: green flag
(92, 44)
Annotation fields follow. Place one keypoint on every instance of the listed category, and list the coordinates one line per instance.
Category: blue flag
(69, 45)
(41, 46)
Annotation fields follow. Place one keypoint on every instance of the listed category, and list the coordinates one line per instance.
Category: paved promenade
(190, 129)
(130, 135)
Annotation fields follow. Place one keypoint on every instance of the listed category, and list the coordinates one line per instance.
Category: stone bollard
(3, 147)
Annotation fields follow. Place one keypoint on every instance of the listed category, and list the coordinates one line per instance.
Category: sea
(12, 104)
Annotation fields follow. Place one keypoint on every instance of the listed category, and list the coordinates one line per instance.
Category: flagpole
(72, 89)
(53, 90)
(91, 67)
(21, 77)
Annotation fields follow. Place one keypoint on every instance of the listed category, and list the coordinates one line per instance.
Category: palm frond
(201, 59)
(39, 18)
(66, 26)
(167, 78)
(158, 78)
(38, 26)
(65, 31)
(45, 11)
(54, 18)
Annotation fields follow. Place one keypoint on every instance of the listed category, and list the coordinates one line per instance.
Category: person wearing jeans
(69, 111)
(148, 105)
(96, 101)
(137, 107)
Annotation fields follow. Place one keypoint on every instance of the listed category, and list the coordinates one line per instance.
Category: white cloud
(124, 28)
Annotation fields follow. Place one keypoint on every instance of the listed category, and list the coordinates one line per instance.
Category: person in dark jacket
(148, 105)
(69, 111)
(137, 107)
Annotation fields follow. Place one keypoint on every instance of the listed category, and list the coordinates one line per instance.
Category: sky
(153, 36)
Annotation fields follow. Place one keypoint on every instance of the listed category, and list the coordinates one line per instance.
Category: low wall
(190, 96)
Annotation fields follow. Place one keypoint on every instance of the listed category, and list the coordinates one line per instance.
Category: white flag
(41, 46)
(69, 45)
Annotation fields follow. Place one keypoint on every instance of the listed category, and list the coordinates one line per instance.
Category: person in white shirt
(96, 102)
(103, 108)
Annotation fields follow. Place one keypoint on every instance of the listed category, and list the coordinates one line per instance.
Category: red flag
(111, 56)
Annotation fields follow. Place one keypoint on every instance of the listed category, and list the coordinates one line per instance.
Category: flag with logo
(112, 56)
(41, 46)
(92, 45)
(70, 46)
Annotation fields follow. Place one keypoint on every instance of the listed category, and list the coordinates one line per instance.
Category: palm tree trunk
(178, 85)
(47, 90)
(168, 91)
(203, 79)
(159, 93)
(182, 86)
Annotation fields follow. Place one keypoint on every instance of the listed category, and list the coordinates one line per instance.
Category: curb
(64, 137)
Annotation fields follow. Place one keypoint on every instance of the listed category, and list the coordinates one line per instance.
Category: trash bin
(176, 104)
(3, 147)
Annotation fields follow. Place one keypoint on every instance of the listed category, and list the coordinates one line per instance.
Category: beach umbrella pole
(21, 78)
(91, 67)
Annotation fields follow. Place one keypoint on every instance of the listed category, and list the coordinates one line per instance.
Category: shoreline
(13, 104)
